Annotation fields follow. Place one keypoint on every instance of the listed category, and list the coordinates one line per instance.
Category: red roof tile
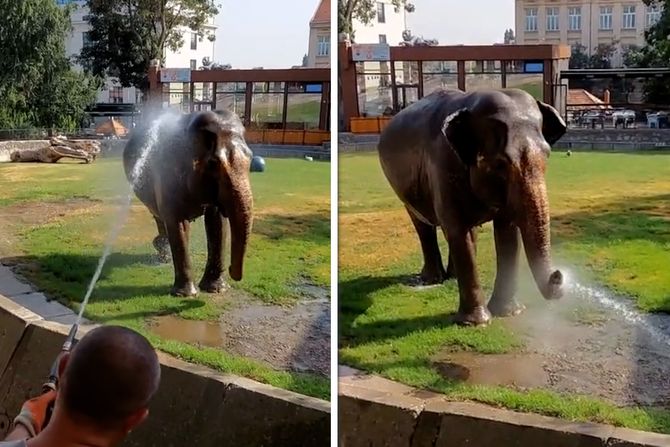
(322, 14)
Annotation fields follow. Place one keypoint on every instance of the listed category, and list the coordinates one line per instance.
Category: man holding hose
(105, 388)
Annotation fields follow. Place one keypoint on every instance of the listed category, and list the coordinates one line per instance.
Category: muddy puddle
(292, 338)
(579, 345)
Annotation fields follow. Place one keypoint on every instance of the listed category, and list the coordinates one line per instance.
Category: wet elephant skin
(457, 160)
(198, 166)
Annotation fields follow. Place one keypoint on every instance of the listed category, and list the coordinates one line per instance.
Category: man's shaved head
(112, 373)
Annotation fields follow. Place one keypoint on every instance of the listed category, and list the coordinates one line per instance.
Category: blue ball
(257, 164)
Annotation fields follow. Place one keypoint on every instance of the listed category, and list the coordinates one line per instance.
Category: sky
(263, 33)
(275, 33)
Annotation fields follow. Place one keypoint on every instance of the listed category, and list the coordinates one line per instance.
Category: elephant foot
(450, 273)
(505, 308)
(187, 289)
(479, 316)
(431, 277)
(215, 285)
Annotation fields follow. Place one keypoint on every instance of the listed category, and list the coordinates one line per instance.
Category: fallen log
(58, 148)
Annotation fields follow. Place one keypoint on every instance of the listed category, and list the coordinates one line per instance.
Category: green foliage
(579, 58)
(364, 11)
(126, 35)
(38, 87)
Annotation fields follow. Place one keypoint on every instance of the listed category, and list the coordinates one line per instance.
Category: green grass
(610, 221)
(60, 246)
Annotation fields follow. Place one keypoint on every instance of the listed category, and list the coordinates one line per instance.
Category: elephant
(457, 160)
(195, 164)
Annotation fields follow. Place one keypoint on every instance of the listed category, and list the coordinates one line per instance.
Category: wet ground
(590, 343)
(293, 338)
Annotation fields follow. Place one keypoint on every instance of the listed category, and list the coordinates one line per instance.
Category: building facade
(386, 27)
(318, 54)
(584, 22)
(191, 54)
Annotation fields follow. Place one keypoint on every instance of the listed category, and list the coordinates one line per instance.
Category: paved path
(27, 296)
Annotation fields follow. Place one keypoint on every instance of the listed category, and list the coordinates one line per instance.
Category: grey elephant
(199, 165)
(457, 160)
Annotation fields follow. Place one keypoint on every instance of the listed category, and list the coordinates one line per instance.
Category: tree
(126, 35)
(364, 11)
(305, 60)
(602, 56)
(509, 37)
(632, 56)
(38, 86)
(578, 57)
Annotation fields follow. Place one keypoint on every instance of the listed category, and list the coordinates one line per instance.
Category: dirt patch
(589, 343)
(292, 338)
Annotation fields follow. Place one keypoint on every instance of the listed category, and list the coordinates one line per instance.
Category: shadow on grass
(356, 298)
(632, 219)
(309, 227)
(66, 277)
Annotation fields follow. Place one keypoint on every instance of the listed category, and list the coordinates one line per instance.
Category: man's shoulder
(13, 444)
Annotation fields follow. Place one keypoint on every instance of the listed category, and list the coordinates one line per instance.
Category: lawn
(56, 219)
(610, 220)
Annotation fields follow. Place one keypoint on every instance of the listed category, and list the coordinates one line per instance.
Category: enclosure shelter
(277, 106)
(621, 90)
(378, 80)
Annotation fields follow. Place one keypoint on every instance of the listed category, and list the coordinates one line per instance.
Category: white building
(193, 51)
(386, 27)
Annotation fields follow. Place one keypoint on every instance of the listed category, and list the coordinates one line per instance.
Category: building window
(194, 41)
(381, 13)
(552, 19)
(629, 17)
(575, 18)
(194, 64)
(116, 95)
(323, 48)
(653, 15)
(605, 17)
(86, 39)
(382, 38)
(531, 19)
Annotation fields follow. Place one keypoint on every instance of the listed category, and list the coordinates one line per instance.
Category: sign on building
(371, 52)
(175, 75)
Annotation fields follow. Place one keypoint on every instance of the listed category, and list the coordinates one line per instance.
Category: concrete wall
(375, 412)
(597, 139)
(194, 405)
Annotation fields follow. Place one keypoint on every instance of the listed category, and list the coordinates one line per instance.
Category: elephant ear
(553, 125)
(459, 130)
(474, 137)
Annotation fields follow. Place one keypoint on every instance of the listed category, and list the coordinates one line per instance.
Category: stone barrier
(375, 412)
(194, 405)
(586, 139)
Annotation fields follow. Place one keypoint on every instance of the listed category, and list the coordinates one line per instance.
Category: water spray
(70, 341)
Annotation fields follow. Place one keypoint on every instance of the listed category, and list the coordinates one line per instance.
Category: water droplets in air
(649, 323)
(135, 178)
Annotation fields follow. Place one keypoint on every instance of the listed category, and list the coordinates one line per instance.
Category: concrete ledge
(194, 405)
(377, 412)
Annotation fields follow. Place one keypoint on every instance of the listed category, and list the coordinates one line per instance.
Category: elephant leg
(178, 234)
(472, 309)
(217, 233)
(451, 270)
(502, 301)
(433, 270)
(161, 242)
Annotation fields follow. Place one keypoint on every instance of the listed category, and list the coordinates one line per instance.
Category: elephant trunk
(240, 217)
(535, 232)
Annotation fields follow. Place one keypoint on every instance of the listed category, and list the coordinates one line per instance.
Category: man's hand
(34, 412)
